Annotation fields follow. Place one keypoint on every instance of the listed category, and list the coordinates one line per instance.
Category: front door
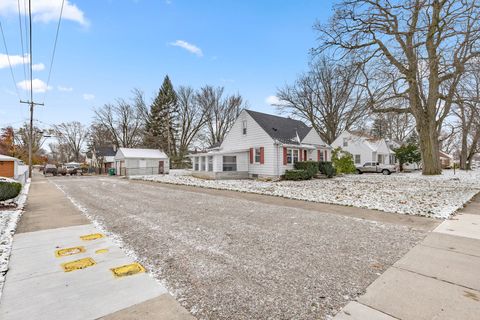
(305, 158)
(161, 167)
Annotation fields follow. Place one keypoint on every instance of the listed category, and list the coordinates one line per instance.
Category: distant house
(102, 158)
(260, 145)
(8, 166)
(446, 160)
(365, 148)
(129, 162)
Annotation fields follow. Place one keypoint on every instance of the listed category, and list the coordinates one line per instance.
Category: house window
(202, 164)
(321, 156)
(210, 163)
(229, 163)
(357, 159)
(257, 155)
(292, 156)
(380, 158)
(244, 127)
(195, 163)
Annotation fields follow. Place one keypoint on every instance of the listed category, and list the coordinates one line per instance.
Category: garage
(8, 166)
(133, 161)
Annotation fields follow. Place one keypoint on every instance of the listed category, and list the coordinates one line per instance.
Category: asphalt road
(232, 258)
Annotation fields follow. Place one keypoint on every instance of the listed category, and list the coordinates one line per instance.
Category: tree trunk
(429, 147)
(464, 152)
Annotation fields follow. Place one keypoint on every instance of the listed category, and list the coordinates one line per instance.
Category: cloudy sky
(107, 47)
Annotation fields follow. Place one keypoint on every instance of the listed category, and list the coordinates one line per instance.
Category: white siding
(356, 146)
(256, 137)
(313, 138)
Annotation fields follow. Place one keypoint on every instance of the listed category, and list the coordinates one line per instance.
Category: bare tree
(326, 97)
(192, 118)
(125, 121)
(222, 112)
(73, 135)
(467, 112)
(393, 126)
(414, 50)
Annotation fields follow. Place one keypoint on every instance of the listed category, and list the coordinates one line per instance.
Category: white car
(375, 167)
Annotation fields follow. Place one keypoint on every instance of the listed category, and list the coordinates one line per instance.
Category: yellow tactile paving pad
(69, 251)
(99, 251)
(92, 236)
(78, 264)
(128, 270)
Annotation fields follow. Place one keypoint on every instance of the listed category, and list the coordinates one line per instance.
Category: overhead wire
(21, 39)
(54, 49)
(9, 62)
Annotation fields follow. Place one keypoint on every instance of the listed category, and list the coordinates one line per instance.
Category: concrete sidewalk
(437, 279)
(43, 283)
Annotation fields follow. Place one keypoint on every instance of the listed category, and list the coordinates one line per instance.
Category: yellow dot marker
(93, 236)
(127, 270)
(68, 251)
(99, 251)
(78, 264)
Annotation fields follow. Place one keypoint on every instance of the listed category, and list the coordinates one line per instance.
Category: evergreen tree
(161, 126)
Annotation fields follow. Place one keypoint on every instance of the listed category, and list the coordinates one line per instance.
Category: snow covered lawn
(406, 193)
(8, 224)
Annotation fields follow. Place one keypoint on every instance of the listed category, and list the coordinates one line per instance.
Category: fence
(140, 171)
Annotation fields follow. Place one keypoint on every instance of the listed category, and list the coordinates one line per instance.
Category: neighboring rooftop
(142, 153)
(7, 158)
(279, 128)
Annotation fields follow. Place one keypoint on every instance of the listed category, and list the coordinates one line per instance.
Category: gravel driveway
(227, 258)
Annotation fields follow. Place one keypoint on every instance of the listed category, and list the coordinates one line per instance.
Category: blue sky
(107, 48)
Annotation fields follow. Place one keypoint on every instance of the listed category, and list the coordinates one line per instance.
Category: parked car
(50, 168)
(73, 170)
(375, 167)
(62, 170)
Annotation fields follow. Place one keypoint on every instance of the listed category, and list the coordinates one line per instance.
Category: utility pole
(31, 103)
(30, 134)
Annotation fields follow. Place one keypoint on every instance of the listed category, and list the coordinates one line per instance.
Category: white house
(260, 145)
(129, 162)
(365, 148)
(102, 158)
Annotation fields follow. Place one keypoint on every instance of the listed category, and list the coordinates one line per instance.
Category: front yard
(406, 193)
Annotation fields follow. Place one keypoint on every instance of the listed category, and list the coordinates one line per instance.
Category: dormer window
(244, 127)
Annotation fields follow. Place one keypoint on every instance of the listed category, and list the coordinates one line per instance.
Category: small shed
(8, 166)
(130, 162)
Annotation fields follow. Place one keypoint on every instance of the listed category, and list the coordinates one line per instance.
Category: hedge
(310, 166)
(326, 168)
(9, 190)
(297, 175)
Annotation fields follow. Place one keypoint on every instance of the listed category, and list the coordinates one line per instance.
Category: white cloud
(88, 96)
(37, 84)
(188, 46)
(46, 10)
(274, 101)
(65, 89)
(38, 67)
(14, 60)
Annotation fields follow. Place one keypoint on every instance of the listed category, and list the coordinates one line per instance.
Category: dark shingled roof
(282, 129)
(106, 152)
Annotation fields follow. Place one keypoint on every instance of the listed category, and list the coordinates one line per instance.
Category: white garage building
(130, 162)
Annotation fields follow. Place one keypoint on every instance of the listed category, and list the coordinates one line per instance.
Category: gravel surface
(406, 193)
(227, 258)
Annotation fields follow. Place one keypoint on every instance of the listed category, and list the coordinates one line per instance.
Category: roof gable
(285, 130)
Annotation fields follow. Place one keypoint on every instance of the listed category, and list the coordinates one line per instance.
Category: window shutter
(300, 151)
(318, 155)
(251, 155)
(262, 155)
(284, 156)
(325, 159)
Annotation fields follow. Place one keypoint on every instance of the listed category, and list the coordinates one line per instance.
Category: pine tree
(162, 120)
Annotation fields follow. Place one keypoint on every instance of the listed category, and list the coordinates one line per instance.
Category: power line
(21, 39)
(8, 58)
(54, 49)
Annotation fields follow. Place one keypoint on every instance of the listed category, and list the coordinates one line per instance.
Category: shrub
(343, 161)
(9, 190)
(326, 168)
(297, 175)
(310, 166)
